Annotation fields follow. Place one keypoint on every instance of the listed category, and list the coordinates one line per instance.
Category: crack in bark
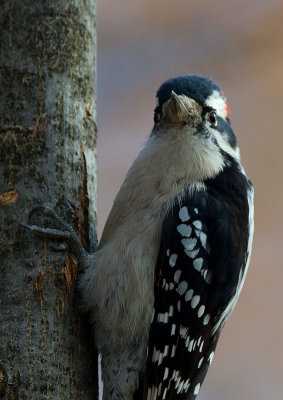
(82, 212)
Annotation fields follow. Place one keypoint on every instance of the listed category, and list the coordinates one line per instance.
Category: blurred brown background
(239, 44)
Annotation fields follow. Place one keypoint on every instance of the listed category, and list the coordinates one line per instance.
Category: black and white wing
(199, 272)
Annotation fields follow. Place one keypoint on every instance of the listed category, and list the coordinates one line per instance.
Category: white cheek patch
(216, 101)
(223, 144)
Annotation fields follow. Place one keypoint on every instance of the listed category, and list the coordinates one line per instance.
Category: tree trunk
(47, 151)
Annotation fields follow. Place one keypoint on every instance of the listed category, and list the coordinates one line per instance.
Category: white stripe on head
(218, 102)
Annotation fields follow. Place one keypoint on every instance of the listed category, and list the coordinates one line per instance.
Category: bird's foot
(58, 228)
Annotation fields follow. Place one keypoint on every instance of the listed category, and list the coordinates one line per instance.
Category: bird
(174, 252)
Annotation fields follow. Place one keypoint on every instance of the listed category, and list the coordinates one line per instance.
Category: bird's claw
(65, 220)
(63, 232)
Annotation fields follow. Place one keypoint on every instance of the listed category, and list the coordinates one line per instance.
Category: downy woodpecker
(174, 252)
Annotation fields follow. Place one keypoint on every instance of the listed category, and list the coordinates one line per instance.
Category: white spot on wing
(197, 387)
(173, 259)
(173, 329)
(177, 275)
(210, 358)
(166, 350)
(191, 345)
(184, 230)
(189, 244)
(166, 373)
(201, 311)
(200, 362)
(197, 224)
(186, 385)
(183, 332)
(156, 355)
(164, 394)
(182, 288)
(154, 393)
(195, 301)
(181, 387)
(192, 253)
(183, 214)
(189, 294)
(177, 379)
(162, 318)
(206, 319)
(197, 263)
(197, 233)
(207, 276)
(203, 238)
(187, 341)
(160, 359)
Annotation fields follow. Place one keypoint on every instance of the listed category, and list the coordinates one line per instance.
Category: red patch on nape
(227, 109)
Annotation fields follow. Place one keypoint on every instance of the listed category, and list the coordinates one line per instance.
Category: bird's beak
(180, 108)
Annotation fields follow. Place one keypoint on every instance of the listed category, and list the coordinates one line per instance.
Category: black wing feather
(202, 252)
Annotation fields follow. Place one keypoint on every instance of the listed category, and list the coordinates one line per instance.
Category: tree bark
(47, 152)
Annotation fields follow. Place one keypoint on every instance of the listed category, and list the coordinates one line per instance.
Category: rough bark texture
(47, 151)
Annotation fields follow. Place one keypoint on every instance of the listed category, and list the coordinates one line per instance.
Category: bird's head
(194, 108)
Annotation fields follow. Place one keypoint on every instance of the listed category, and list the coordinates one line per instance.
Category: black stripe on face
(226, 131)
(223, 127)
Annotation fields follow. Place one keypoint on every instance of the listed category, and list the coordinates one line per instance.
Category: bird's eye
(212, 118)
